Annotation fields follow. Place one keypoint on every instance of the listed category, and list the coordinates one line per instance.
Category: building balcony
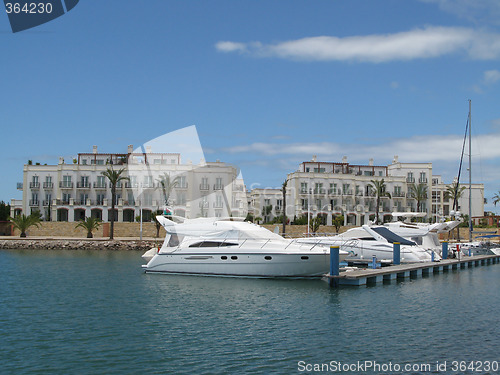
(46, 203)
(100, 185)
(410, 180)
(34, 185)
(218, 205)
(148, 185)
(319, 191)
(34, 203)
(218, 187)
(83, 185)
(84, 202)
(422, 180)
(66, 185)
(398, 194)
(333, 192)
(204, 187)
(131, 185)
(182, 187)
(48, 185)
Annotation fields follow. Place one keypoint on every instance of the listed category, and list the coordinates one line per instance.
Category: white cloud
(491, 76)
(429, 42)
(226, 46)
(479, 11)
(422, 149)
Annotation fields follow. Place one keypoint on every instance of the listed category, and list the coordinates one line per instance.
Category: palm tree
(90, 224)
(454, 191)
(315, 223)
(379, 187)
(496, 198)
(418, 192)
(337, 222)
(167, 184)
(23, 222)
(283, 207)
(114, 177)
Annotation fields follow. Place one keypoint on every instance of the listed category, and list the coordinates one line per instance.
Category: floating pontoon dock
(366, 276)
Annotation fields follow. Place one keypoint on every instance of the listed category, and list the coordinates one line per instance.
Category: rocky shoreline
(38, 244)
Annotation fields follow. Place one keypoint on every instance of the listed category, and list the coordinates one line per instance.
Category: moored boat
(231, 247)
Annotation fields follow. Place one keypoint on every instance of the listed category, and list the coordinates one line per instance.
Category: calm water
(83, 312)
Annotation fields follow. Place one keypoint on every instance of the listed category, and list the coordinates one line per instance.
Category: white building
(71, 192)
(329, 189)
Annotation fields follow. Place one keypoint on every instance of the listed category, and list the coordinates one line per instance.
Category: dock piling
(396, 258)
(334, 265)
(444, 250)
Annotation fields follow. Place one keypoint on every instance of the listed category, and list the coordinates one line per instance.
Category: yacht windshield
(392, 237)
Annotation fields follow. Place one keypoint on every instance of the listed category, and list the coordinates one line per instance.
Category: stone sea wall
(66, 229)
(36, 244)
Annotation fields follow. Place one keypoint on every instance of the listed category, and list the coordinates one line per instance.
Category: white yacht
(367, 241)
(229, 247)
(423, 234)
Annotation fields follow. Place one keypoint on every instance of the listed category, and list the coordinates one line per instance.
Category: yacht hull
(259, 265)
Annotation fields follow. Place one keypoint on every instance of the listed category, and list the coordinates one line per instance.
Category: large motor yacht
(230, 247)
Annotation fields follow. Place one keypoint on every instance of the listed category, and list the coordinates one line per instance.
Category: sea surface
(96, 312)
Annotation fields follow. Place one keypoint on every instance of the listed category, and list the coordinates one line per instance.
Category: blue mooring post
(334, 265)
(396, 258)
(444, 253)
(432, 256)
(374, 262)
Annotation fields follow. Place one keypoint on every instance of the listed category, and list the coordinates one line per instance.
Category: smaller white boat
(367, 241)
(230, 247)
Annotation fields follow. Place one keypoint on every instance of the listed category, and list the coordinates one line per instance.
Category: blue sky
(267, 83)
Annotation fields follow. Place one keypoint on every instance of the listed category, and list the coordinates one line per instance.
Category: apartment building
(75, 190)
(329, 189)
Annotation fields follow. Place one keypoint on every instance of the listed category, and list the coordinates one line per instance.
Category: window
(182, 182)
(204, 184)
(218, 201)
(148, 199)
(84, 181)
(83, 199)
(131, 200)
(101, 181)
(303, 187)
(148, 182)
(100, 199)
(66, 181)
(66, 197)
(304, 204)
(319, 170)
(218, 184)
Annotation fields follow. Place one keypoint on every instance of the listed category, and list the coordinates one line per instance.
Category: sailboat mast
(470, 174)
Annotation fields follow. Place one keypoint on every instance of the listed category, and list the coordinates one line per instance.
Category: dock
(368, 276)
